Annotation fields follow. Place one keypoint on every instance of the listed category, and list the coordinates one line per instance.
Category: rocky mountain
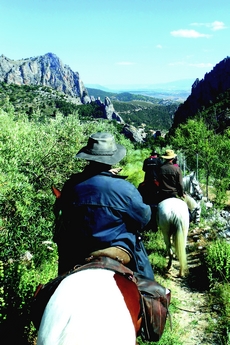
(47, 70)
(205, 92)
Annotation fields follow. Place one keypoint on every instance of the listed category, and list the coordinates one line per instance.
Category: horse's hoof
(181, 275)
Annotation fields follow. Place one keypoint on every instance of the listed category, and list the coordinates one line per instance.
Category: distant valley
(177, 91)
(46, 85)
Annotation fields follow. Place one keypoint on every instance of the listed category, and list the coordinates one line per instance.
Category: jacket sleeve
(138, 211)
(180, 187)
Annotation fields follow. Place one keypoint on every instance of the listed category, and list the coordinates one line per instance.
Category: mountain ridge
(204, 92)
(49, 71)
(45, 70)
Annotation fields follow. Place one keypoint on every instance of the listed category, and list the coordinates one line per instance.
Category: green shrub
(220, 301)
(218, 261)
(218, 265)
(35, 155)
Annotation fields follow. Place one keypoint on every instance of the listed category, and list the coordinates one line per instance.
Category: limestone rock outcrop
(107, 109)
(134, 134)
(47, 70)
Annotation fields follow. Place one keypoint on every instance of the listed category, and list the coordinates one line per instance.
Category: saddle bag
(155, 303)
(41, 298)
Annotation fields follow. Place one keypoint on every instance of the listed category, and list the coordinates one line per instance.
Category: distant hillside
(205, 93)
(153, 116)
(177, 90)
(31, 99)
(147, 94)
(129, 96)
(170, 95)
(136, 109)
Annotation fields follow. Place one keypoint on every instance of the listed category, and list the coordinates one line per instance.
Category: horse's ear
(56, 192)
(192, 174)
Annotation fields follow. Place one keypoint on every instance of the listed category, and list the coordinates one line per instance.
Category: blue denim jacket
(100, 211)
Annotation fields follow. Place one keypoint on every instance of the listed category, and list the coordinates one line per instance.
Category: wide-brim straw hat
(102, 148)
(169, 154)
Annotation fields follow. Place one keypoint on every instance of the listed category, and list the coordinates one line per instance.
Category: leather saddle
(116, 253)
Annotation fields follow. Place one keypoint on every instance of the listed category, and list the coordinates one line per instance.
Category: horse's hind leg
(170, 259)
(167, 241)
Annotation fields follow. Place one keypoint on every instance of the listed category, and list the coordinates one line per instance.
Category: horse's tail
(179, 241)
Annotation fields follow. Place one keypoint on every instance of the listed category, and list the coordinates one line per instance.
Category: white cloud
(198, 65)
(188, 33)
(217, 26)
(124, 63)
(214, 26)
(159, 46)
(201, 65)
(200, 24)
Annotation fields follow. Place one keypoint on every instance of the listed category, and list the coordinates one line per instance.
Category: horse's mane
(191, 203)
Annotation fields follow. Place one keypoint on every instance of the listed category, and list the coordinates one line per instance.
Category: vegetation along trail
(191, 308)
(193, 319)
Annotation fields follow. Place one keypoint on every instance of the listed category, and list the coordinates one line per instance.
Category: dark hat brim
(105, 159)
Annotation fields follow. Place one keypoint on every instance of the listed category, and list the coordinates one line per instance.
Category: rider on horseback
(149, 188)
(99, 216)
(170, 178)
(101, 210)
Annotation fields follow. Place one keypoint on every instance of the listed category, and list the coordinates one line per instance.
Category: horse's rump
(132, 287)
(171, 211)
(173, 221)
(87, 308)
(44, 292)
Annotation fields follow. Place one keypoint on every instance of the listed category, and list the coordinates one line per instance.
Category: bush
(219, 301)
(35, 155)
(218, 261)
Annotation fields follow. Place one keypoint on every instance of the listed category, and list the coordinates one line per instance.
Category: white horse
(93, 306)
(173, 221)
(192, 188)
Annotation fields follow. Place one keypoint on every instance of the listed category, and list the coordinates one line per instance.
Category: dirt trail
(190, 305)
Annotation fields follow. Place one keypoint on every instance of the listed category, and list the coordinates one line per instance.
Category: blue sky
(128, 42)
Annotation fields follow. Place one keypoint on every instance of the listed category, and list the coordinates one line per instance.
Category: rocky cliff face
(204, 91)
(47, 70)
